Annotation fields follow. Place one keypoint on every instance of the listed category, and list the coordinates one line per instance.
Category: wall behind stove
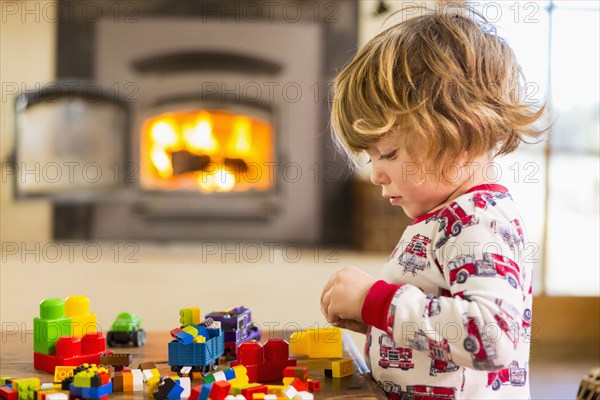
(27, 57)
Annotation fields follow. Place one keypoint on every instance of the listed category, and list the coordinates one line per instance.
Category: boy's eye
(388, 156)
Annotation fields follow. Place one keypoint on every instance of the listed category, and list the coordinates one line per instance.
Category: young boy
(432, 100)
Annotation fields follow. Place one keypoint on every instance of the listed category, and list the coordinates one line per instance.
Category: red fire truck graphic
(483, 198)
(507, 318)
(423, 392)
(492, 265)
(439, 351)
(393, 391)
(513, 375)
(511, 235)
(452, 219)
(414, 257)
(440, 366)
(482, 352)
(391, 356)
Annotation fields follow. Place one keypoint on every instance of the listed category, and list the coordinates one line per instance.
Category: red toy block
(300, 372)
(195, 392)
(314, 385)
(71, 351)
(299, 385)
(264, 364)
(93, 343)
(219, 390)
(249, 392)
(8, 394)
(68, 346)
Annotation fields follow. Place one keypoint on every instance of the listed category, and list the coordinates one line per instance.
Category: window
(557, 183)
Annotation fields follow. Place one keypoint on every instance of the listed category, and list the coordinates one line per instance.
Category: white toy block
(138, 380)
(304, 396)
(57, 396)
(290, 392)
(186, 384)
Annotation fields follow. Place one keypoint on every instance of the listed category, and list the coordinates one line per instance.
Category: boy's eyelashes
(388, 156)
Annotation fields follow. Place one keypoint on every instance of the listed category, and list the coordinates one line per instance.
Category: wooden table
(16, 361)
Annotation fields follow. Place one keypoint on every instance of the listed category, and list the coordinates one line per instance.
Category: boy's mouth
(395, 200)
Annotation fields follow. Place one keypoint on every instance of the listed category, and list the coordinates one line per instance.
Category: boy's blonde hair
(444, 81)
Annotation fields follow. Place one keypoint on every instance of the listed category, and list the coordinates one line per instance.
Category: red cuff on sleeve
(377, 303)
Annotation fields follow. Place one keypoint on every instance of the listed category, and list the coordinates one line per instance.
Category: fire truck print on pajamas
(452, 220)
(492, 265)
(439, 351)
(423, 392)
(483, 198)
(391, 356)
(511, 235)
(482, 350)
(414, 257)
(417, 392)
(512, 375)
(454, 310)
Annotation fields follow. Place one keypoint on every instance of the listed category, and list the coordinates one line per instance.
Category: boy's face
(417, 190)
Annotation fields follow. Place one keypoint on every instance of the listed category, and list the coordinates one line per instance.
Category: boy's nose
(378, 177)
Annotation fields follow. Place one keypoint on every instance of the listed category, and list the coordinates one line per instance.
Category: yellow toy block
(26, 388)
(241, 375)
(317, 343)
(62, 372)
(275, 389)
(200, 339)
(153, 385)
(258, 396)
(189, 316)
(191, 330)
(78, 309)
(342, 368)
(237, 389)
(287, 380)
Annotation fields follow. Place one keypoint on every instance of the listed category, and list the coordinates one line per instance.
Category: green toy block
(26, 388)
(189, 316)
(83, 379)
(50, 326)
(4, 380)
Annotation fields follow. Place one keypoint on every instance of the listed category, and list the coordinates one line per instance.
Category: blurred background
(161, 154)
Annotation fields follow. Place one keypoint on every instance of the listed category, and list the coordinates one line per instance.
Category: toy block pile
(65, 334)
(234, 383)
(90, 382)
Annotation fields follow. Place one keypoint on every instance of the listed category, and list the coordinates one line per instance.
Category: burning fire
(206, 150)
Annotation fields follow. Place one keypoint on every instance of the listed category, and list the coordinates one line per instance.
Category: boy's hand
(352, 325)
(343, 296)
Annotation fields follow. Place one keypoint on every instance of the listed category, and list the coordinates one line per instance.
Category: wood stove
(227, 135)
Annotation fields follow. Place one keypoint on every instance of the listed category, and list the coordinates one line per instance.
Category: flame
(164, 134)
(224, 180)
(220, 180)
(161, 161)
(241, 129)
(200, 137)
(206, 182)
(212, 136)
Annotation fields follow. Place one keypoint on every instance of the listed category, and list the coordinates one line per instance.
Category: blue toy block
(175, 393)
(184, 337)
(206, 388)
(91, 392)
(229, 374)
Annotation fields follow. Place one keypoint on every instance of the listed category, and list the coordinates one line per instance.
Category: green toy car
(126, 330)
